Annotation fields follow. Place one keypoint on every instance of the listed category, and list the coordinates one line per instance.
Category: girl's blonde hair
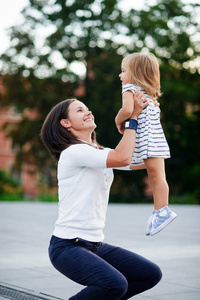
(144, 71)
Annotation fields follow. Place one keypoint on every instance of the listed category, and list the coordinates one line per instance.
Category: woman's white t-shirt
(84, 184)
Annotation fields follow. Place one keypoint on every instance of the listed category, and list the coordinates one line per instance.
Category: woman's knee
(157, 275)
(119, 288)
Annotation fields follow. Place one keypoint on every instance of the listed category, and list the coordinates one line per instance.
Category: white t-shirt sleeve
(82, 155)
(129, 87)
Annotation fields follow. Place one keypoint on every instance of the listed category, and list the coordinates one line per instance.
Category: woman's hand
(140, 102)
(156, 103)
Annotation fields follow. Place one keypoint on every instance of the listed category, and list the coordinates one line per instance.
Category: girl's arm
(127, 109)
(122, 154)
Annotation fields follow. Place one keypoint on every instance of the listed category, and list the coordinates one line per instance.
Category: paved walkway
(25, 230)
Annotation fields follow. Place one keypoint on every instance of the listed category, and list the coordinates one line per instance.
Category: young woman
(141, 71)
(84, 176)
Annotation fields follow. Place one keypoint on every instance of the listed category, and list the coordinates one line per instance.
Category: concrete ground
(25, 269)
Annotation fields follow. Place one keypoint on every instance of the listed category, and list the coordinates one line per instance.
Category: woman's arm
(131, 167)
(138, 167)
(122, 154)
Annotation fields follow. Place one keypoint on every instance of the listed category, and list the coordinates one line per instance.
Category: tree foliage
(9, 188)
(37, 74)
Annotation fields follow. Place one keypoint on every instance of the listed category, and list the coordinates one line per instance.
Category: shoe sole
(169, 220)
(147, 232)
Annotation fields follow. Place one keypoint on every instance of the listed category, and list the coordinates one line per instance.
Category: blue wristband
(131, 124)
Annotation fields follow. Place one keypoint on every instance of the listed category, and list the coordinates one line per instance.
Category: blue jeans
(107, 271)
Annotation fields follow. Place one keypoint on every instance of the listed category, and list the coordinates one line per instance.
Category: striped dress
(150, 138)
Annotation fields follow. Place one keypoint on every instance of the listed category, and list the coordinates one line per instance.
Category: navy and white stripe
(150, 138)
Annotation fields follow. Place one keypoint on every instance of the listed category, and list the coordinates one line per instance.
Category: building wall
(27, 178)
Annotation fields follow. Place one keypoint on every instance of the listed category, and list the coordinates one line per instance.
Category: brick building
(27, 178)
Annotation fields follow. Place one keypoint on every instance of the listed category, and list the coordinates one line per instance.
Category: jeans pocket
(92, 246)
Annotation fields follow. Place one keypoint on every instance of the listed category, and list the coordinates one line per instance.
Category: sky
(9, 15)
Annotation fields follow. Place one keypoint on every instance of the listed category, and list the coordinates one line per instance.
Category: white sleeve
(129, 87)
(82, 155)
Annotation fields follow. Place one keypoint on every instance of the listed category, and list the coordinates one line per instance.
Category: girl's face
(79, 119)
(125, 74)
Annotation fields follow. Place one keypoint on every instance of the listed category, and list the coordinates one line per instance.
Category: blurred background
(56, 49)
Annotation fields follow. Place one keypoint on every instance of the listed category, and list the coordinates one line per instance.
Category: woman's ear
(65, 123)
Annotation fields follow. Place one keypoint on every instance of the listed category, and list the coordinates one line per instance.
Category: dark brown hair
(56, 137)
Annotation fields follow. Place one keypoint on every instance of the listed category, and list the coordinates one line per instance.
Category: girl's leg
(156, 172)
(79, 262)
(162, 215)
(140, 273)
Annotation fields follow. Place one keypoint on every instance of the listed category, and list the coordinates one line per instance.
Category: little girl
(141, 71)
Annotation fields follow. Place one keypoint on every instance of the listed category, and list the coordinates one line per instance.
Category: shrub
(10, 189)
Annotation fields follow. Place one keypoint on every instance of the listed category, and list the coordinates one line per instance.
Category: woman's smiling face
(80, 118)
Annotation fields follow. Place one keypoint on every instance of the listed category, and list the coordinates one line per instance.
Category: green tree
(37, 73)
(9, 188)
